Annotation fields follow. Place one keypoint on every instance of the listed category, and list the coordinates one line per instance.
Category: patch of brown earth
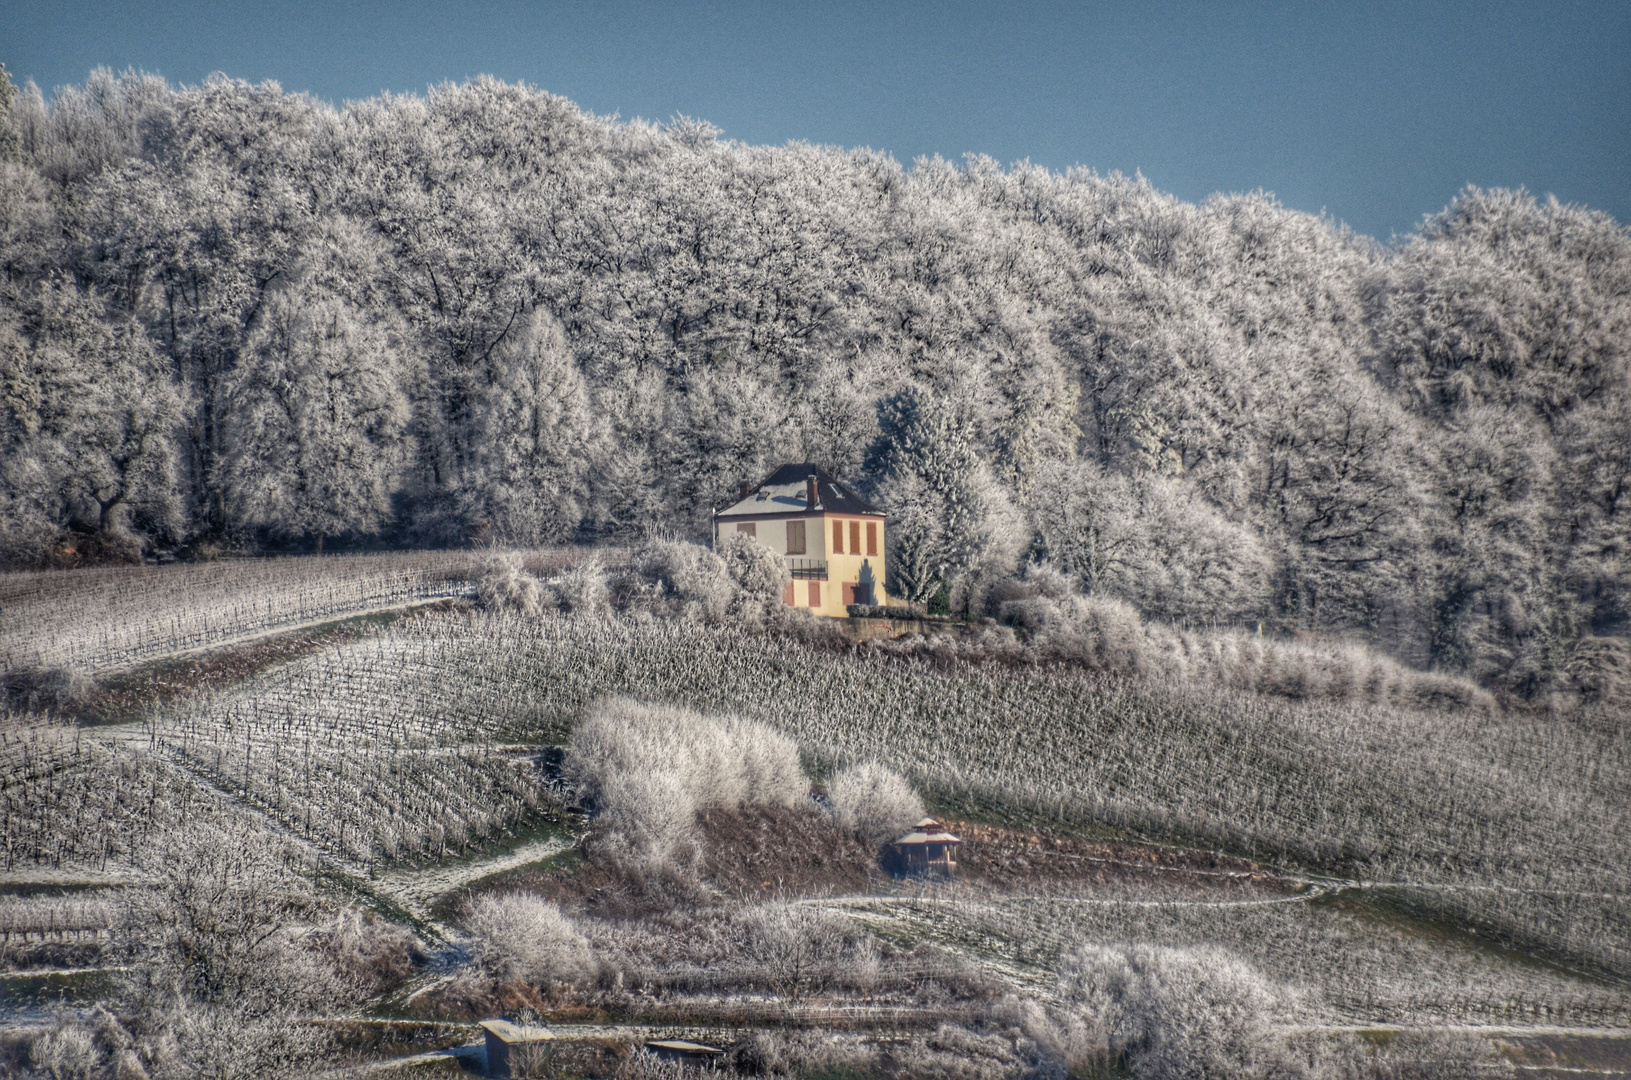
(768, 852)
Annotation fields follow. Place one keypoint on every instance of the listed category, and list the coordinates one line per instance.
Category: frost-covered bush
(759, 573)
(1104, 635)
(646, 770)
(1062, 1042)
(367, 953)
(674, 579)
(1178, 1014)
(1425, 1055)
(782, 1053)
(873, 802)
(741, 582)
(505, 585)
(520, 937)
(581, 589)
(956, 1053)
(795, 950)
(67, 1052)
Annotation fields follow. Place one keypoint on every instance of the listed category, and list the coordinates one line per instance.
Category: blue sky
(1374, 113)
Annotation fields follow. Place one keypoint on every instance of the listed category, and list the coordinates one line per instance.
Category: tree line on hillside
(232, 316)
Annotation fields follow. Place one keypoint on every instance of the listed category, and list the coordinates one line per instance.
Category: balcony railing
(808, 569)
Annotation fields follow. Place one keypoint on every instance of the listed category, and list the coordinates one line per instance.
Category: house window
(750, 528)
(787, 594)
(795, 538)
(849, 593)
(815, 594)
(855, 538)
(838, 538)
(872, 538)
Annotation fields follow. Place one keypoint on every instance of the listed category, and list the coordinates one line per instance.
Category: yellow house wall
(842, 569)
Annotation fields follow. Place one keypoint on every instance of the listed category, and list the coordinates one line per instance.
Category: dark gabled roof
(783, 492)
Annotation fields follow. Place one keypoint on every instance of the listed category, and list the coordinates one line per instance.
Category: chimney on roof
(810, 491)
(744, 490)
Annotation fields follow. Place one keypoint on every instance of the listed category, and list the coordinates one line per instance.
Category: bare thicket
(798, 951)
(520, 937)
(366, 953)
(647, 769)
(1054, 622)
(1178, 1014)
(873, 802)
(219, 968)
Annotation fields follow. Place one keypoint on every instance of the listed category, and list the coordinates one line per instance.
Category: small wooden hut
(506, 1040)
(927, 851)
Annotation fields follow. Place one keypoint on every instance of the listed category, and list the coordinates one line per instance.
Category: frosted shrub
(759, 574)
(796, 950)
(1067, 1041)
(873, 802)
(1429, 1055)
(955, 1053)
(1055, 623)
(1177, 1014)
(785, 1053)
(673, 579)
(367, 953)
(66, 1053)
(647, 769)
(741, 583)
(505, 585)
(582, 589)
(526, 938)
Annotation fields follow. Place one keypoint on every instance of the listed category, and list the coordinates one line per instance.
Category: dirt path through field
(418, 890)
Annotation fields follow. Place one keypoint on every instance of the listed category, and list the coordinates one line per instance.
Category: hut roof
(512, 1034)
(685, 1046)
(930, 831)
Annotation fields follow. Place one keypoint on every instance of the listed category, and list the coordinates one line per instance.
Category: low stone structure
(506, 1041)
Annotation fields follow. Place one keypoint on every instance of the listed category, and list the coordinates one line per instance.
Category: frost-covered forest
(236, 317)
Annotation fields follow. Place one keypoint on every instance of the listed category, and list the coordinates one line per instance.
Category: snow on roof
(784, 492)
(685, 1046)
(516, 1033)
(937, 836)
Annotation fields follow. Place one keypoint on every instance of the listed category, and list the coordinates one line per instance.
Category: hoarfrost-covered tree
(1151, 541)
(949, 519)
(316, 424)
(1178, 1014)
(537, 440)
(90, 422)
